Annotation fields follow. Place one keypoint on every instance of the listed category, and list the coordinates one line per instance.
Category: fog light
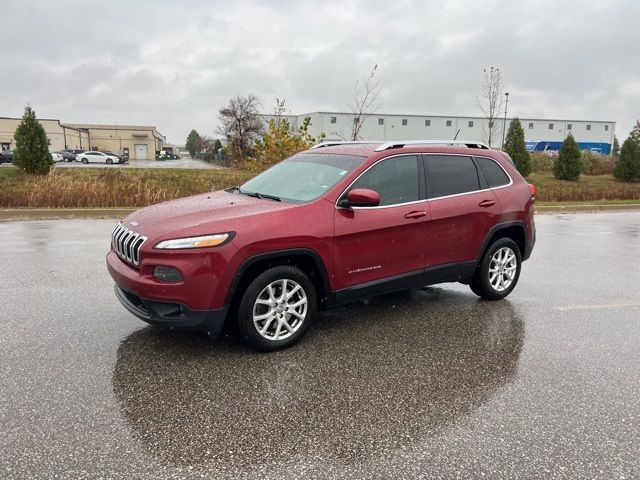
(167, 274)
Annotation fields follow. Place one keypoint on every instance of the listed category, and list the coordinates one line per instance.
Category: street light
(504, 123)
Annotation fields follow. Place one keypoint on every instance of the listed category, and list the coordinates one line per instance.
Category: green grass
(136, 187)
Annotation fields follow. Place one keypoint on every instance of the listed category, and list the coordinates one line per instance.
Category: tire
(85, 161)
(497, 286)
(109, 161)
(259, 300)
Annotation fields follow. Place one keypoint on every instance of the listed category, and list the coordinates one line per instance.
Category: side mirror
(361, 197)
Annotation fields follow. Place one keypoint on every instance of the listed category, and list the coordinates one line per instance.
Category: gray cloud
(173, 64)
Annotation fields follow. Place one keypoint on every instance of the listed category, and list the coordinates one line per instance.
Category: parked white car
(93, 156)
(56, 157)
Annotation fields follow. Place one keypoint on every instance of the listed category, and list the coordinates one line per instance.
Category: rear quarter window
(493, 173)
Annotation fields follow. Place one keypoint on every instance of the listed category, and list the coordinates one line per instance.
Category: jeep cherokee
(340, 221)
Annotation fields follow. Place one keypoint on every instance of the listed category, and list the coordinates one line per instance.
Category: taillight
(532, 190)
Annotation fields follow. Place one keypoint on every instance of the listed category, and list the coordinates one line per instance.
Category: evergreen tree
(515, 146)
(32, 145)
(627, 167)
(193, 143)
(217, 145)
(568, 165)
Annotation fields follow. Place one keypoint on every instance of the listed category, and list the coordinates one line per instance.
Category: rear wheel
(499, 270)
(277, 308)
(84, 160)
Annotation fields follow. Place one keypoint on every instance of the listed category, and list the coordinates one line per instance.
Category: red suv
(338, 222)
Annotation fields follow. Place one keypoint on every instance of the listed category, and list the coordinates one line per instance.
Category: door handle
(486, 203)
(415, 214)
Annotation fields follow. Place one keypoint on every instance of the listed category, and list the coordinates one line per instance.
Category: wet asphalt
(428, 384)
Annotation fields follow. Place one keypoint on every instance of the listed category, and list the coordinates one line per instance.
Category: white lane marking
(598, 307)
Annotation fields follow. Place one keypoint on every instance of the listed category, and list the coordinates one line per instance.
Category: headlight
(197, 242)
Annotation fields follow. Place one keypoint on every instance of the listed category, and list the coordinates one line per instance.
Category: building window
(334, 119)
(470, 123)
(381, 121)
(588, 126)
(404, 122)
(530, 125)
(427, 123)
(569, 126)
(606, 128)
(551, 126)
(448, 123)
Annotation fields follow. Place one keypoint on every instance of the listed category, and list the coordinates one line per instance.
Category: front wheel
(276, 309)
(109, 161)
(499, 270)
(85, 161)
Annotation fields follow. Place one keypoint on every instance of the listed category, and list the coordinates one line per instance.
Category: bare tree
(240, 123)
(365, 102)
(490, 101)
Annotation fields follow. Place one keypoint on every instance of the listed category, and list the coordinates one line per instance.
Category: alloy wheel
(502, 269)
(280, 309)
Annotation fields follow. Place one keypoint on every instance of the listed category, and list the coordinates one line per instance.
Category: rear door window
(493, 173)
(450, 175)
(396, 179)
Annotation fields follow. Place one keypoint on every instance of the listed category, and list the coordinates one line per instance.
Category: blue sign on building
(550, 146)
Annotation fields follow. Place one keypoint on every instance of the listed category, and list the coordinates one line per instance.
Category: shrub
(595, 164)
(627, 167)
(568, 165)
(32, 145)
(541, 162)
(515, 146)
(281, 140)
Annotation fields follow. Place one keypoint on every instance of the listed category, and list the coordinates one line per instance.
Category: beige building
(141, 142)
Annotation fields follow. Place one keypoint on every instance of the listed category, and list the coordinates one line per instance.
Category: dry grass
(102, 187)
(588, 189)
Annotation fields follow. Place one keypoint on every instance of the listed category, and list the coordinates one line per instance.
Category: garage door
(141, 152)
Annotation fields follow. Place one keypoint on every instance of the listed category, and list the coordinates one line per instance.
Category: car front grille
(127, 243)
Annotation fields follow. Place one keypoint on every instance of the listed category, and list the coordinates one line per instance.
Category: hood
(214, 212)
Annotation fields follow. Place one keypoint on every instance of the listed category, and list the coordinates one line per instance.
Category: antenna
(456, 134)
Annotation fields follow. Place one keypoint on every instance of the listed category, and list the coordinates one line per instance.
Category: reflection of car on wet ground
(376, 378)
(335, 223)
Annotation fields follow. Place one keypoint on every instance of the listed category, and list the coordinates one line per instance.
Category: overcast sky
(174, 63)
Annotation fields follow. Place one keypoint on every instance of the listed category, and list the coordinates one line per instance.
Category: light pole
(504, 122)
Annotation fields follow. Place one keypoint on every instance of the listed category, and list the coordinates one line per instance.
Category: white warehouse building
(540, 134)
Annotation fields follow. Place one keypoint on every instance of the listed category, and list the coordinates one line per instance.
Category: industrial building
(141, 142)
(540, 134)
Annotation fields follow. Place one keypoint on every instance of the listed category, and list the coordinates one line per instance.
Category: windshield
(303, 177)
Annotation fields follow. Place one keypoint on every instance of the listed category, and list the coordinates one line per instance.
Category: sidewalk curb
(16, 214)
(629, 207)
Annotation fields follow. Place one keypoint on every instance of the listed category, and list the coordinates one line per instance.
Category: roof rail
(403, 143)
(332, 143)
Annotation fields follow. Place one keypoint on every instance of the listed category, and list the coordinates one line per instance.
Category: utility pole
(504, 123)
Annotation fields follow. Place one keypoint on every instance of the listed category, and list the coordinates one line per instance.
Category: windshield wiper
(262, 195)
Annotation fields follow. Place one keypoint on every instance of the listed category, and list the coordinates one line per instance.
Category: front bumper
(172, 314)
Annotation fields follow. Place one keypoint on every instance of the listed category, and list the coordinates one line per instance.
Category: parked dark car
(67, 155)
(6, 156)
